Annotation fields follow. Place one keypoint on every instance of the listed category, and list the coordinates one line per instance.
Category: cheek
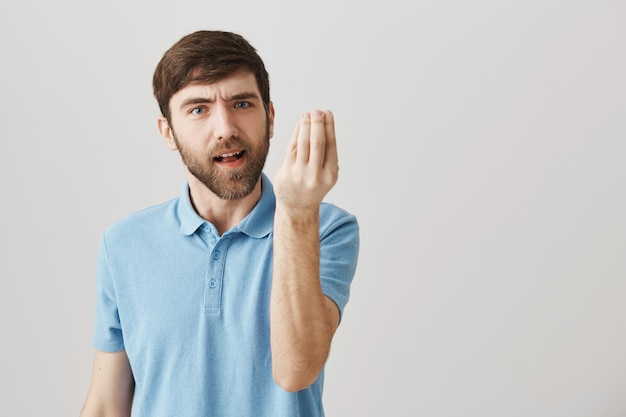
(191, 134)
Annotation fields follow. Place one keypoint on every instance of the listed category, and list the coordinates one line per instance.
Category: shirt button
(216, 255)
(212, 283)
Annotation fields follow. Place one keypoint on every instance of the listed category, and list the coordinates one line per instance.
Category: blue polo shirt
(191, 308)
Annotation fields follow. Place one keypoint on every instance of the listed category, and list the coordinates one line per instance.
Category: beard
(228, 184)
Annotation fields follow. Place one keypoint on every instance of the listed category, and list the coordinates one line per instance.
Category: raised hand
(310, 167)
(302, 319)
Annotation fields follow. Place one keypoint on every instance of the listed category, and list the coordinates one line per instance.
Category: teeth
(226, 155)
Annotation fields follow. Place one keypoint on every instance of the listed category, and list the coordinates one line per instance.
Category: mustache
(228, 144)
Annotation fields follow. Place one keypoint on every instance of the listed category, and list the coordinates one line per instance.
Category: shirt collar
(190, 221)
(258, 223)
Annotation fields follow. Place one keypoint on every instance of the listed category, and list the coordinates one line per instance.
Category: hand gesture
(310, 168)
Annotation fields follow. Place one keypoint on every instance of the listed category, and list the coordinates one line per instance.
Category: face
(222, 133)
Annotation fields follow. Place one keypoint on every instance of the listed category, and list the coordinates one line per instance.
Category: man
(224, 301)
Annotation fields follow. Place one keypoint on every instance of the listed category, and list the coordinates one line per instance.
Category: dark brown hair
(206, 57)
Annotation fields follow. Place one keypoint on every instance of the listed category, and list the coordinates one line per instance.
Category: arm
(302, 320)
(112, 386)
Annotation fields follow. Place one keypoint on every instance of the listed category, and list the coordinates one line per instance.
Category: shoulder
(333, 217)
(148, 219)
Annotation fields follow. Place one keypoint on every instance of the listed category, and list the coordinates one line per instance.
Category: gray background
(482, 147)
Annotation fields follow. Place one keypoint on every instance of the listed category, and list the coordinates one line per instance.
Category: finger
(318, 139)
(292, 145)
(331, 157)
(303, 138)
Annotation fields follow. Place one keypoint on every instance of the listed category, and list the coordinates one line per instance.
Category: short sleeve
(108, 330)
(339, 250)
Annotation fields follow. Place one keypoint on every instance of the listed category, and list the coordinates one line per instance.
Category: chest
(168, 290)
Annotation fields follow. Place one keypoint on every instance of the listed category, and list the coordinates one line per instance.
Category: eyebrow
(203, 100)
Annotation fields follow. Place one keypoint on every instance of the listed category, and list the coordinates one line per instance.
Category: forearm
(112, 387)
(301, 329)
(102, 411)
(302, 320)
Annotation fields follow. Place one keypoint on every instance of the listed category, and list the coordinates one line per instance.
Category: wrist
(297, 214)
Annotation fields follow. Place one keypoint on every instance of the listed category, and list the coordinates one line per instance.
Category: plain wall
(482, 147)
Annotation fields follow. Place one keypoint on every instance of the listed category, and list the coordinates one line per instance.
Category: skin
(302, 319)
(205, 119)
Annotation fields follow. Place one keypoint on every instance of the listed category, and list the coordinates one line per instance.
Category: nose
(224, 122)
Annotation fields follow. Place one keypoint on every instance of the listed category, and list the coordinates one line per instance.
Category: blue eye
(197, 110)
(242, 105)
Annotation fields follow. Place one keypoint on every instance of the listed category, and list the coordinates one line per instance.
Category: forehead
(232, 85)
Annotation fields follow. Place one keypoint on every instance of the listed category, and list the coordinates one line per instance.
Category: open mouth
(229, 157)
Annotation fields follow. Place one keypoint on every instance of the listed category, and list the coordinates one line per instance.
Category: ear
(270, 119)
(166, 131)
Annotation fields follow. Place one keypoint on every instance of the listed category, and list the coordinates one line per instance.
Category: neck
(223, 214)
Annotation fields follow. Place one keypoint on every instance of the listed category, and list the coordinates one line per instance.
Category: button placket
(215, 275)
